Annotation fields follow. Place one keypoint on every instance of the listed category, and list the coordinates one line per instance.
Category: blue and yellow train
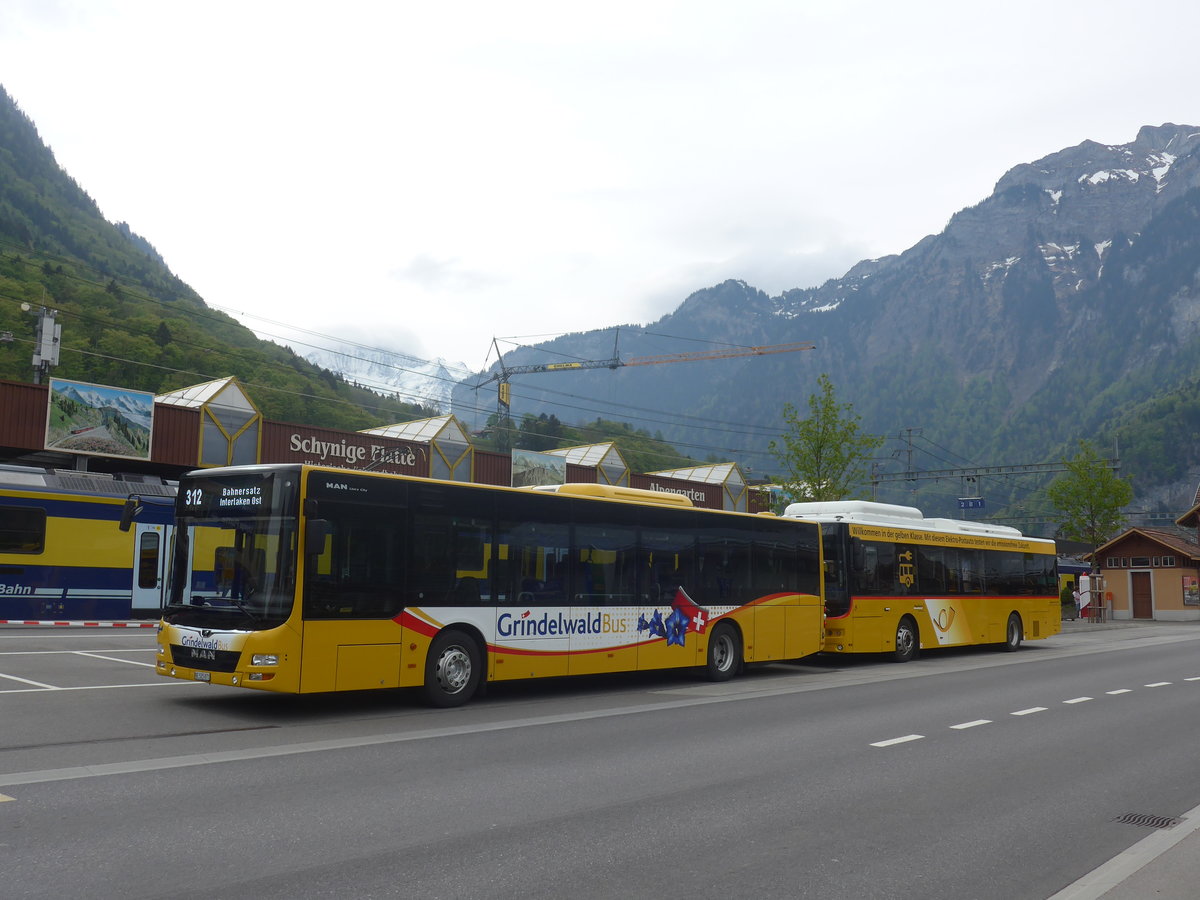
(63, 554)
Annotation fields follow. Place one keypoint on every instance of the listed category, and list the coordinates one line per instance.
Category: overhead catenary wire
(198, 313)
(660, 416)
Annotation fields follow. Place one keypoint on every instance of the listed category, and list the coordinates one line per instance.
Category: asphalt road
(965, 774)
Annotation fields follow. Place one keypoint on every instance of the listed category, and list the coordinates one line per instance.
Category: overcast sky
(423, 177)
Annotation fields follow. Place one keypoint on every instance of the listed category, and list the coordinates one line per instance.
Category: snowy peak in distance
(1059, 218)
(413, 380)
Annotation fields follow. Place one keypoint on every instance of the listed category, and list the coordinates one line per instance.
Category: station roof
(420, 431)
(227, 390)
(587, 454)
(716, 473)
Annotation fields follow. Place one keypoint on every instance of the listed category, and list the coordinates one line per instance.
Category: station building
(217, 424)
(1153, 574)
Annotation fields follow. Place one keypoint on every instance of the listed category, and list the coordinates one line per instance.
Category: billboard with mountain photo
(99, 420)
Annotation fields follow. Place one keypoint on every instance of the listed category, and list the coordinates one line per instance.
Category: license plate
(202, 676)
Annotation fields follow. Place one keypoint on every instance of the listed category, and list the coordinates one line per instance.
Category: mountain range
(424, 381)
(1064, 306)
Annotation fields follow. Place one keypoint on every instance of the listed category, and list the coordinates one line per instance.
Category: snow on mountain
(134, 407)
(423, 381)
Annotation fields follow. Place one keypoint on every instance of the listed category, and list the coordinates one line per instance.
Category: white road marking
(94, 687)
(1120, 691)
(129, 662)
(1078, 700)
(961, 725)
(37, 684)
(899, 740)
(1158, 684)
(1026, 712)
(68, 652)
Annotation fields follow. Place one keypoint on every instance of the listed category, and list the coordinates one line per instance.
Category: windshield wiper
(215, 603)
(249, 615)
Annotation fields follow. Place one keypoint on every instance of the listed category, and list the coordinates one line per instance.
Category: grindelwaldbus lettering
(527, 625)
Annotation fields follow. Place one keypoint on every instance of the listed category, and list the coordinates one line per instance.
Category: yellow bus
(897, 582)
(308, 579)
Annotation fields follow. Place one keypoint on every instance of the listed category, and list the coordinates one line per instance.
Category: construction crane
(615, 362)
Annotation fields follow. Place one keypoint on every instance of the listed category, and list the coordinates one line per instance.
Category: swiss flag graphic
(697, 615)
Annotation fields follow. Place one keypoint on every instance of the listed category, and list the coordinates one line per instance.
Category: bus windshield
(234, 563)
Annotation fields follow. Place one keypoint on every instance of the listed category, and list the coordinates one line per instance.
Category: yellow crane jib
(615, 362)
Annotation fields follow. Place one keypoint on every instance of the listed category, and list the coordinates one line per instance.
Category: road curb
(79, 624)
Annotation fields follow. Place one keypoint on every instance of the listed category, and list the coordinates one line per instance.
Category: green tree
(1088, 498)
(540, 432)
(824, 456)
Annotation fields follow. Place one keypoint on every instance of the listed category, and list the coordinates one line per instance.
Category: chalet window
(1141, 562)
(1156, 562)
(1168, 561)
(1111, 562)
(1124, 562)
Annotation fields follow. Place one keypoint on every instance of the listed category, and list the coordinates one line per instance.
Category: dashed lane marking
(1030, 711)
(962, 726)
(899, 740)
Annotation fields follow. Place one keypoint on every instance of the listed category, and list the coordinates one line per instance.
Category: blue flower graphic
(654, 624)
(677, 626)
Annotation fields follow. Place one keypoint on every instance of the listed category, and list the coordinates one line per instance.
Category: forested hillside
(126, 319)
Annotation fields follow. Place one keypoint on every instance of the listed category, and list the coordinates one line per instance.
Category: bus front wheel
(452, 670)
(724, 653)
(1012, 634)
(907, 641)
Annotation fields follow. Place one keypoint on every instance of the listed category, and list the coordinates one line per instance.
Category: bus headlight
(264, 659)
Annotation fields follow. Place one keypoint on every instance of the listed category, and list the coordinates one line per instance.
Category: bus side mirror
(131, 510)
(316, 531)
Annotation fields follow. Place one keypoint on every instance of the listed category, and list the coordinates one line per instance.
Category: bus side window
(970, 565)
(876, 573)
(835, 573)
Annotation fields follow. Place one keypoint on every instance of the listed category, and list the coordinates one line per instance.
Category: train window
(22, 530)
(148, 560)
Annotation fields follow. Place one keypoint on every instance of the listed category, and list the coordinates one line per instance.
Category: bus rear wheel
(452, 670)
(907, 641)
(1012, 634)
(724, 653)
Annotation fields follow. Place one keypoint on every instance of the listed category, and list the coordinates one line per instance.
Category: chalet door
(1143, 603)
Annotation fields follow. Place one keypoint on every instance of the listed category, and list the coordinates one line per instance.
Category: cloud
(443, 275)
